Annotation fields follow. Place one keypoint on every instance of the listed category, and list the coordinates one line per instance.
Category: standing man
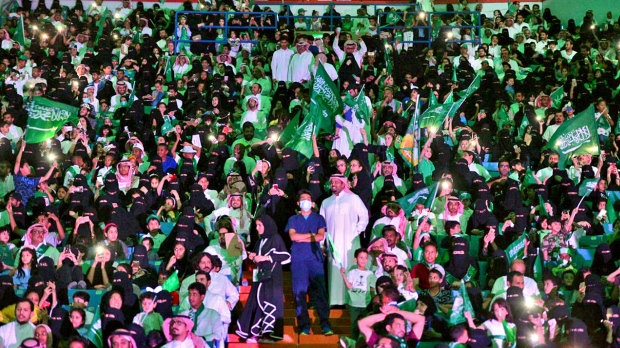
(307, 230)
(13, 333)
(280, 60)
(346, 217)
(350, 59)
(299, 67)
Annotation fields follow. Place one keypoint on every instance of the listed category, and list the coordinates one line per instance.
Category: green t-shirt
(362, 280)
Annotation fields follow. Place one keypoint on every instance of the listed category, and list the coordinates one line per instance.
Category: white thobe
(279, 64)
(188, 343)
(299, 67)
(12, 334)
(346, 217)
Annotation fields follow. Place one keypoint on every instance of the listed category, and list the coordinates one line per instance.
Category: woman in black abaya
(263, 315)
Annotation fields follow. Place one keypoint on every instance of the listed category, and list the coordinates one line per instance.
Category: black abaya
(263, 314)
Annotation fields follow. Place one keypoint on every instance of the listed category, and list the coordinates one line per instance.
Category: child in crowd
(359, 281)
(404, 283)
(148, 318)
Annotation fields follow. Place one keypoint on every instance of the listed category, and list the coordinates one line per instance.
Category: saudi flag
(576, 136)
(389, 66)
(289, 131)
(461, 305)
(538, 269)
(434, 116)
(19, 34)
(45, 117)
(95, 334)
(557, 96)
(422, 196)
(359, 105)
(587, 186)
(325, 104)
(516, 250)
(611, 212)
(472, 88)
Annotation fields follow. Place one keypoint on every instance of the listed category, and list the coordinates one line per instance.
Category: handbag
(264, 273)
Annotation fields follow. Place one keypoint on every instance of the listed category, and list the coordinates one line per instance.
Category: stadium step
(339, 320)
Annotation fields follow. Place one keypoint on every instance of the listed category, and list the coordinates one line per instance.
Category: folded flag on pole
(333, 249)
(45, 117)
(19, 34)
(472, 88)
(576, 136)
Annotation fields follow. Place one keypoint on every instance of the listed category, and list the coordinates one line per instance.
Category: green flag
(421, 196)
(472, 88)
(19, 34)
(389, 66)
(587, 186)
(95, 334)
(538, 269)
(325, 104)
(172, 283)
(611, 212)
(289, 131)
(432, 100)
(359, 105)
(516, 250)
(461, 305)
(101, 24)
(333, 249)
(557, 96)
(434, 116)
(576, 136)
(45, 117)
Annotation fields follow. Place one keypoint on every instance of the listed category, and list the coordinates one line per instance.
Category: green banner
(45, 117)
(576, 136)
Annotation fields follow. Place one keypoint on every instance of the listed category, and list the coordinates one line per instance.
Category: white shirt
(279, 64)
(299, 67)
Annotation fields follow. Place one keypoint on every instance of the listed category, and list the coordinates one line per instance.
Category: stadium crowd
(185, 165)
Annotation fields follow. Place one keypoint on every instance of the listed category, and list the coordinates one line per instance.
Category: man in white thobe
(299, 67)
(280, 60)
(13, 333)
(346, 217)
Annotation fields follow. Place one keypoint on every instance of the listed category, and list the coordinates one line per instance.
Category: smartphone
(275, 186)
(226, 78)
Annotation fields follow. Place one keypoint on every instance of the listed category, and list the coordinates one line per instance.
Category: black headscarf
(270, 226)
(7, 292)
(164, 304)
(122, 281)
(603, 263)
(459, 260)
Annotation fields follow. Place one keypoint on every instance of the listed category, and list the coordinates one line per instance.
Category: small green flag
(95, 334)
(19, 34)
(516, 250)
(511, 333)
(172, 283)
(45, 117)
(557, 96)
(472, 88)
(611, 212)
(421, 196)
(587, 186)
(333, 249)
(461, 305)
(389, 66)
(576, 136)
(101, 24)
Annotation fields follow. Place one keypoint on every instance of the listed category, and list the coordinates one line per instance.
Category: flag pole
(417, 123)
(434, 196)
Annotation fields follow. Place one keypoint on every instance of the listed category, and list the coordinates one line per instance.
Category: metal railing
(427, 39)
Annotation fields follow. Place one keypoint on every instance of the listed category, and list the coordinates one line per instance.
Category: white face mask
(305, 205)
